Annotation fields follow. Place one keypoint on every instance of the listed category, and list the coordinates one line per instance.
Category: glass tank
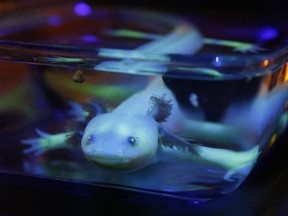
(139, 100)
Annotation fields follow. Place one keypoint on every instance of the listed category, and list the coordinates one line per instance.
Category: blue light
(217, 61)
(268, 33)
(90, 38)
(82, 9)
(55, 20)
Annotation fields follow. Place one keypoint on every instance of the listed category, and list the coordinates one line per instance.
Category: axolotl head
(120, 142)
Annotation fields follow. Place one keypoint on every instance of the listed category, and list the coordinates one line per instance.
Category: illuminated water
(232, 108)
(258, 105)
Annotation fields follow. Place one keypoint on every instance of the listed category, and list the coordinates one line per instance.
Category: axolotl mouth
(109, 160)
(112, 163)
(117, 163)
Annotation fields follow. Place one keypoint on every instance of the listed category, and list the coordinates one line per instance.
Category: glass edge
(152, 63)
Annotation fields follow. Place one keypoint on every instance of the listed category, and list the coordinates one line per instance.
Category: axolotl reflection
(140, 131)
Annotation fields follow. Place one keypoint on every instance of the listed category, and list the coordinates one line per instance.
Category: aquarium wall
(144, 100)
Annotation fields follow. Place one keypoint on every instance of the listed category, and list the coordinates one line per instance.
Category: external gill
(160, 108)
(76, 127)
(169, 141)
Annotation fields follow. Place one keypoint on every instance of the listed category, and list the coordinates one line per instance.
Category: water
(210, 118)
(232, 127)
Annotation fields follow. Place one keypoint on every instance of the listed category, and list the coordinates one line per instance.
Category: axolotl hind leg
(45, 142)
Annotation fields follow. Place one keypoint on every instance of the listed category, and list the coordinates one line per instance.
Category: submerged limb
(46, 142)
(234, 162)
(244, 170)
(224, 135)
(227, 158)
(76, 111)
(86, 111)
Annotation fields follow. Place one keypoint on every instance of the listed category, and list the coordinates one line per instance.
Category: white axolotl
(143, 129)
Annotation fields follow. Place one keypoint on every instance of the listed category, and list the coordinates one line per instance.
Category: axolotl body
(141, 131)
(128, 137)
(145, 128)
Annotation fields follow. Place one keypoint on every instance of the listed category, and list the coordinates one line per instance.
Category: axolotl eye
(131, 140)
(90, 139)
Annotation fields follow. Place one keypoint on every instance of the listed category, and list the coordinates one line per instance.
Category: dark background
(264, 193)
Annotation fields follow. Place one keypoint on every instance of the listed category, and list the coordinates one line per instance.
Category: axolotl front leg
(82, 114)
(46, 142)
